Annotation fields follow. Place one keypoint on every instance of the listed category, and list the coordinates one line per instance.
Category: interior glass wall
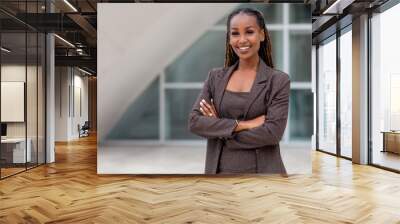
(385, 89)
(22, 90)
(327, 95)
(14, 153)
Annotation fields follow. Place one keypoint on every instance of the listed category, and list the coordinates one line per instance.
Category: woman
(243, 107)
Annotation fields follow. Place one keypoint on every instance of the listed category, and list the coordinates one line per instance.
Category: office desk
(391, 141)
(13, 150)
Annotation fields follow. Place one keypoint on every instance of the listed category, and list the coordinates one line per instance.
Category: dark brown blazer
(269, 95)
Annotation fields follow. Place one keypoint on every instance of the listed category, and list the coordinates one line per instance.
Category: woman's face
(245, 36)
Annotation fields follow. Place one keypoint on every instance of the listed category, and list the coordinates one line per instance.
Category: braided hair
(265, 46)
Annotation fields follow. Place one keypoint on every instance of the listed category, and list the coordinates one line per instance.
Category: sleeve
(271, 132)
(209, 127)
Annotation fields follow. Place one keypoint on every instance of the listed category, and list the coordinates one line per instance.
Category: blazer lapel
(221, 86)
(258, 85)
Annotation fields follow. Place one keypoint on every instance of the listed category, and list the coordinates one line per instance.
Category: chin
(246, 57)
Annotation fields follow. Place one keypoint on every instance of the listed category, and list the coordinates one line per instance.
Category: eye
(250, 31)
(234, 33)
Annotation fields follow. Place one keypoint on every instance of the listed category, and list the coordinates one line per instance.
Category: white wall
(79, 117)
(67, 83)
(14, 72)
(61, 103)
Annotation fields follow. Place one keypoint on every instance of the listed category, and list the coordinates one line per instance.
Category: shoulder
(217, 71)
(279, 78)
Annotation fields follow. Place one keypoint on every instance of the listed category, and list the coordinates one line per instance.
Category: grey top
(236, 160)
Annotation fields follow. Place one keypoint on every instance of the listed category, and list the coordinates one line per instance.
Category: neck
(249, 64)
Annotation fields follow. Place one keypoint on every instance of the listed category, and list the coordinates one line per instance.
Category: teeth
(244, 48)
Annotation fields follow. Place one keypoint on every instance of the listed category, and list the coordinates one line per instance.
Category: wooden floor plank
(70, 191)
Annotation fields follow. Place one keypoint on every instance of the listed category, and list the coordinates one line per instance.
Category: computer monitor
(3, 129)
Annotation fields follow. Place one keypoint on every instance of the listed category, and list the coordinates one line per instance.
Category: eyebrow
(246, 27)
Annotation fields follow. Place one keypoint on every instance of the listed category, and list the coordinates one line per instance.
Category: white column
(360, 90)
(50, 98)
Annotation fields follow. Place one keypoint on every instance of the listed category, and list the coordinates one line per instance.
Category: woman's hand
(249, 124)
(208, 109)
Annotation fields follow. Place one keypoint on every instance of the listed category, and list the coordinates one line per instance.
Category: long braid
(265, 51)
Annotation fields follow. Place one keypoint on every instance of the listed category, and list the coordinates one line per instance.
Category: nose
(242, 39)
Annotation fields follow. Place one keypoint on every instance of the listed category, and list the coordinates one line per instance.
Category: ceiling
(329, 16)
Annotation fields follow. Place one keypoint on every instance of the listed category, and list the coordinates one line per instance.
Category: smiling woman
(243, 107)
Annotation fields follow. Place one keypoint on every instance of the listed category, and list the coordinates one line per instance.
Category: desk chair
(84, 130)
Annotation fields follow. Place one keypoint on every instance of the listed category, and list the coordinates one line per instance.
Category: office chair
(84, 130)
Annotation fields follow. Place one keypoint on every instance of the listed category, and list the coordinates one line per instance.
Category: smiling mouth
(243, 49)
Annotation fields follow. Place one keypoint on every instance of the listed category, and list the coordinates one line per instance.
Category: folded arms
(247, 134)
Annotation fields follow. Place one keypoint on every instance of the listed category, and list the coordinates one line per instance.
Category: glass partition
(14, 153)
(327, 95)
(22, 63)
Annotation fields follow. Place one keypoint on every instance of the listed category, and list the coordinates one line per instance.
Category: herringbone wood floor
(70, 191)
